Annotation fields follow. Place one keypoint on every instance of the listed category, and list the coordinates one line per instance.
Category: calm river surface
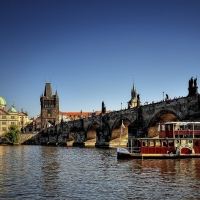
(39, 172)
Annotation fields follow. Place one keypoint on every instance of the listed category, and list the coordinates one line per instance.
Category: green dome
(2, 101)
(12, 109)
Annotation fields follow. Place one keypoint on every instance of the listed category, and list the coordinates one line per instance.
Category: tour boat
(175, 140)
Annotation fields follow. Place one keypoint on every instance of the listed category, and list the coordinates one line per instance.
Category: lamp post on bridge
(163, 96)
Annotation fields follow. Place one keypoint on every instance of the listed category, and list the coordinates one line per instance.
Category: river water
(40, 172)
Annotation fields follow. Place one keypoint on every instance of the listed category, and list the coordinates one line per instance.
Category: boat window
(157, 143)
(169, 127)
(177, 141)
(164, 143)
(151, 143)
(171, 143)
(144, 143)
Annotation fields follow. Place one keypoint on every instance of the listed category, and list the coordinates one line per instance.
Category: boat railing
(136, 150)
(187, 133)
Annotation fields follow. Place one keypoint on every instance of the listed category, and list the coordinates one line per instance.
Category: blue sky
(91, 50)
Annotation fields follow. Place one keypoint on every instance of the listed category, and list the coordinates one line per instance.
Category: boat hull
(121, 155)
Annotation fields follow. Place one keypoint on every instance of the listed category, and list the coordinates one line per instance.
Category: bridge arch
(91, 133)
(117, 122)
(161, 116)
(115, 129)
(91, 124)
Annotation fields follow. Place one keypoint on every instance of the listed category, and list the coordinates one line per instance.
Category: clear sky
(91, 50)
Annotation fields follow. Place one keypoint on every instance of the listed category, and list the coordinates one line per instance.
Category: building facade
(7, 116)
(12, 116)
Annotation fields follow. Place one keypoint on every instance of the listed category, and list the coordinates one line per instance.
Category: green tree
(12, 135)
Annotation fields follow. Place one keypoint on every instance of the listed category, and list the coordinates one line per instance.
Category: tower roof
(133, 92)
(48, 90)
(12, 109)
(2, 101)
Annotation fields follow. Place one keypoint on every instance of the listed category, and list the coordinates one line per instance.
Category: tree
(12, 136)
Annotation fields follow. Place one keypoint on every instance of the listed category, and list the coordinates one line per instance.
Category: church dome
(12, 109)
(2, 101)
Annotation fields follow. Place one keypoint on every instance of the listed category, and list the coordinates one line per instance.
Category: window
(3, 117)
(12, 122)
(164, 143)
(171, 143)
(144, 143)
(3, 128)
(162, 127)
(151, 143)
(12, 117)
(157, 143)
(49, 113)
(4, 123)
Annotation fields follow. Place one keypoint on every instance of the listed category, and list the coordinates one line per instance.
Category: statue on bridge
(195, 82)
(103, 109)
(193, 88)
(138, 97)
(138, 100)
(191, 83)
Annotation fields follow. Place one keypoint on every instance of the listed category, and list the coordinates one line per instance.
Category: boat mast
(121, 129)
(193, 130)
(120, 133)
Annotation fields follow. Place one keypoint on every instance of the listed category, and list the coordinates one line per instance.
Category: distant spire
(133, 91)
(56, 93)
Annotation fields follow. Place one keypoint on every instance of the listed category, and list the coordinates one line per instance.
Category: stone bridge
(104, 128)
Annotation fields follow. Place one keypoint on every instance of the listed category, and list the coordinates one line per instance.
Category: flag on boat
(123, 125)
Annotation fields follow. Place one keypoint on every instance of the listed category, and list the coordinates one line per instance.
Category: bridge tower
(49, 107)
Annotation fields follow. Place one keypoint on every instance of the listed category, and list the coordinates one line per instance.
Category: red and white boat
(176, 140)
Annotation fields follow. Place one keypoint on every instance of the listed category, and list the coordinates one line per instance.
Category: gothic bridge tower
(49, 107)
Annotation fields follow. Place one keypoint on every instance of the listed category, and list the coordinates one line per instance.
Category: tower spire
(133, 91)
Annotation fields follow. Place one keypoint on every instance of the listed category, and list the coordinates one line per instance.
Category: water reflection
(36, 172)
(50, 169)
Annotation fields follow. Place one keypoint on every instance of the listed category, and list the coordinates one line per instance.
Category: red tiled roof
(77, 114)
